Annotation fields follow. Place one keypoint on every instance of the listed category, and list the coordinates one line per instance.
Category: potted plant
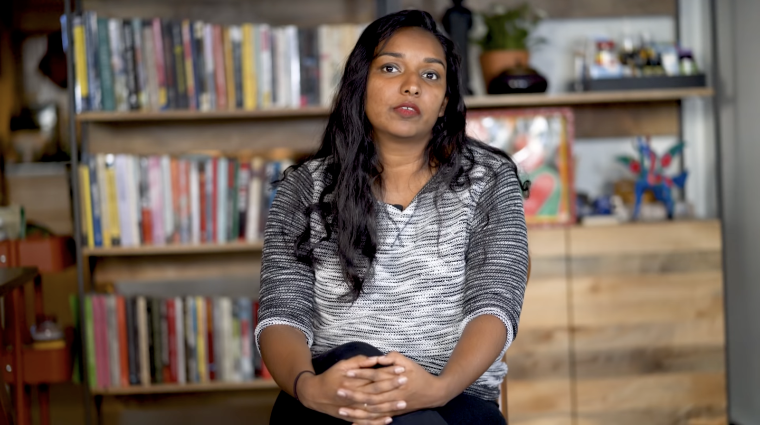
(507, 39)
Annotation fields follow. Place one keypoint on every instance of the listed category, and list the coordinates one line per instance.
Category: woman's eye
(389, 68)
(430, 75)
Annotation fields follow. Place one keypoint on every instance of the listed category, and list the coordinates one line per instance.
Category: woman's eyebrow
(401, 56)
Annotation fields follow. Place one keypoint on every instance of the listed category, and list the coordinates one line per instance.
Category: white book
(324, 65)
(229, 348)
(117, 64)
(168, 206)
(221, 200)
(195, 203)
(291, 32)
(180, 339)
(253, 228)
(122, 198)
(246, 329)
(264, 65)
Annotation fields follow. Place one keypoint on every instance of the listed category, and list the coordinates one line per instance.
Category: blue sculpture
(650, 171)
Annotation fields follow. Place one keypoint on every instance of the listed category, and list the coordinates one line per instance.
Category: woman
(395, 259)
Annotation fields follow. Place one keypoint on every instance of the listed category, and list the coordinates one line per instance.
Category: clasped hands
(354, 390)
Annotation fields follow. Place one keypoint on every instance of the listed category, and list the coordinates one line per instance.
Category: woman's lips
(407, 110)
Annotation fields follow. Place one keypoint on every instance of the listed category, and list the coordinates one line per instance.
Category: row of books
(179, 340)
(159, 64)
(128, 200)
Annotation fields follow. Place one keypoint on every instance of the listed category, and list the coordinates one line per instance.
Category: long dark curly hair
(353, 172)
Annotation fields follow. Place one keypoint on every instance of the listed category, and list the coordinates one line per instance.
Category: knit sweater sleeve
(497, 256)
(287, 285)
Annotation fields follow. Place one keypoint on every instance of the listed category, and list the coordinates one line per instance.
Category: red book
(121, 324)
(202, 196)
(219, 74)
(171, 317)
(174, 169)
(210, 338)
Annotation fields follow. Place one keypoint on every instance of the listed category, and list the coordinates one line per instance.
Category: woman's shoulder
(488, 163)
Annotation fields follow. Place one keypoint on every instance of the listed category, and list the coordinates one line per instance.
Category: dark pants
(462, 410)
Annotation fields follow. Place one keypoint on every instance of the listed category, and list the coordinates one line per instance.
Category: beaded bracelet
(295, 382)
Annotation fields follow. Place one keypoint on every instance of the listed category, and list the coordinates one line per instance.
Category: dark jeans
(462, 410)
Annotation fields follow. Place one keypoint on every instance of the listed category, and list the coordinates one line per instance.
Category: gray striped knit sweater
(437, 267)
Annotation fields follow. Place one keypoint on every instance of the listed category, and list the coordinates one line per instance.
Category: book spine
(133, 342)
(114, 220)
(149, 66)
(200, 341)
(113, 341)
(144, 340)
(121, 94)
(233, 225)
(246, 360)
(219, 71)
(199, 66)
(160, 61)
(190, 340)
(171, 324)
(183, 200)
(221, 200)
(211, 193)
(128, 53)
(169, 65)
(179, 65)
(179, 340)
(210, 347)
(226, 326)
(121, 165)
(121, 326)
(264, 67)
(156, 200)
(187, 44)
(195, 202)
(243, 184)
(95, 202)
(255, 198)
(146, 215)
(308, 44)
(218, 338)
(89, 328)
(165, 369)
(236, 364)
(101, 341)
(236, 42)
(229, 70)
(208, 61)
(105, 216)
(157, 366)
(140, 64)
(93, 69)
(249, 93)
(86, 203)
(203, 201)
(167, 187)
(81, 87)
(104, 63)
(294, 66)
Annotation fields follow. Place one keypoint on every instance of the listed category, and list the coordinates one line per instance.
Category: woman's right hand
(320, 392)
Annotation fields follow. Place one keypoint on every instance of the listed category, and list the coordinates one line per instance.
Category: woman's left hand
(420, 391)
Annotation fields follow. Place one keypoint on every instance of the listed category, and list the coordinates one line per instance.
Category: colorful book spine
(104, 66)
(140, 64)
(130, 64)
(187, 44)
(89, 327)
(160, 61)
(123, 341)
(179, 65)
(81, 85)
(219, 71)
(229, 70)
(93, 66)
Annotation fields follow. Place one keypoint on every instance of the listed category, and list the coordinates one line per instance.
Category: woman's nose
(411, 86)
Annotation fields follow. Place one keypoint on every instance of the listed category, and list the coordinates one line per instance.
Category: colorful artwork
(540, 142)
(650, 174)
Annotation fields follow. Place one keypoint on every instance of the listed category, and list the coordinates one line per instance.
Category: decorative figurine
(650, 171)
(457, 21)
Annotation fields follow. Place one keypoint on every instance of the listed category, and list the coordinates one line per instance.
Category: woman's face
(406, 89)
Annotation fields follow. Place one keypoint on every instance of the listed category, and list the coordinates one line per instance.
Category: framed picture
(540, 142)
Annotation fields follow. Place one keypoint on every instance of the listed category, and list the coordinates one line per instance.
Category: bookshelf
(259, 384)
(273, 133)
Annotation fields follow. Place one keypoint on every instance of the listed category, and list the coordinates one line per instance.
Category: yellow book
(249, 82)
(80, 64)
(86, 202)
(113, 200)
(200, 342)
(228, 69)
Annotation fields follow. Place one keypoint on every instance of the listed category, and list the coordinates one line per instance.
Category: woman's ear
(443, 107)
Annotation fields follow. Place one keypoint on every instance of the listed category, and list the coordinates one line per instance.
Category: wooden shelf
(476, 102)
(258, 384)
(209, 248)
